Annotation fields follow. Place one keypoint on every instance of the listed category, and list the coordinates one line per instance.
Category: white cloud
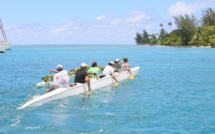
(134, 19)
(100, 17)
(58, 30)
(181, 8)
(149, 26)
(108, 29)
(136, 16)
(116, 21)
(70, 32)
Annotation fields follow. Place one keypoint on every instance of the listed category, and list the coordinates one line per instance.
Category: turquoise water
(174, 91)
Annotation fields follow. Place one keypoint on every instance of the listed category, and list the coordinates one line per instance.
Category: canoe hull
(78, 89)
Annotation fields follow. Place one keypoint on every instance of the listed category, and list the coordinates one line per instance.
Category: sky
(34, 22)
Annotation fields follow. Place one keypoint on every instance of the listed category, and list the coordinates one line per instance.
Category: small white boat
(5, 45)
(78, 89)
(8, 45)
(2, 48)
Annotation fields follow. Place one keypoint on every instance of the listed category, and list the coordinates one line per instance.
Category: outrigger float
(60, 93)
(4, 45)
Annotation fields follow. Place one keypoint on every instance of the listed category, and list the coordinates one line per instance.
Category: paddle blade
(131, 77)
(116, 84)
(88, 92)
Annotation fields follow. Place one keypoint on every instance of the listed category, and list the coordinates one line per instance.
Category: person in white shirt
(61, 78)
(109, 70)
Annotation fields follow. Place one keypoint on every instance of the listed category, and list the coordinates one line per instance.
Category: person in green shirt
(94, 69)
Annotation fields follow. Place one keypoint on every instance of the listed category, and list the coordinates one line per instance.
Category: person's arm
(128, 69)
(53, 87)
(54, 84)
(112, 74)
(115, 69)
(53, 71)
(88, 83)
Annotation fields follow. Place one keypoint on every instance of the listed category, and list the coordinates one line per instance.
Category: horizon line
(66, 44)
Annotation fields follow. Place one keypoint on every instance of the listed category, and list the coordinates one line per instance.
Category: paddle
(131, 77)
(116, 84)
(70, 75)
(49, 79)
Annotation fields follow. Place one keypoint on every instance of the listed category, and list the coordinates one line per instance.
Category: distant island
(190, 32)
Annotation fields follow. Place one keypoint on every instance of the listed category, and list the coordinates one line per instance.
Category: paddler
(117, 65)
(126, 67)
(61, 79)
(109, 70)
(94, 69)
(81, 76)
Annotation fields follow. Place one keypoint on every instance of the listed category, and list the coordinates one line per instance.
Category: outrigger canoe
(79, 88)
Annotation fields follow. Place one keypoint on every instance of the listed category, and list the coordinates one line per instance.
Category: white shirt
(61, 79)
(108, 70)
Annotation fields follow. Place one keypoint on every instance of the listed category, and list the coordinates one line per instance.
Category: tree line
(189, 32)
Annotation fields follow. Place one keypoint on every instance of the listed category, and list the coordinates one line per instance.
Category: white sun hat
(84, 65)
(117, 60)
(111, 62)
(59, 67)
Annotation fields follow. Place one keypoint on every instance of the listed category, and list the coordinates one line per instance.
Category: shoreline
(186, 46)
(177, 46)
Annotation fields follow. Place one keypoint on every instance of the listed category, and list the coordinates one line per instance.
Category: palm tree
(138, 38)
(170, 25)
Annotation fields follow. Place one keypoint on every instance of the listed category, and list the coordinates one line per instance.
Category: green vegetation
(146, 38)
(188, 32)
(186, 26)
(102, 68)
(46, 78)
(204, 36)
(208, 18)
